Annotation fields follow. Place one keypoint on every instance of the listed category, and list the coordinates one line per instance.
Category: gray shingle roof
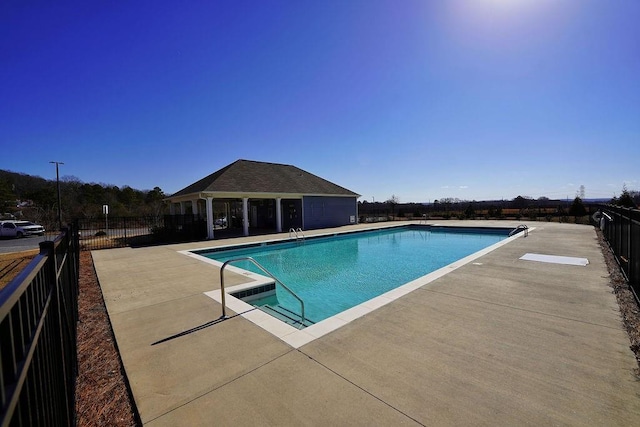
(247, 176)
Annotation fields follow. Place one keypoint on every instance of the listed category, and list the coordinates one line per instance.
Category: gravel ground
(102, 395)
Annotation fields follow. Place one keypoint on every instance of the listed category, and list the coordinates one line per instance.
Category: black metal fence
(119, 232)
(38, 326)
(621, 228)
(183, 228)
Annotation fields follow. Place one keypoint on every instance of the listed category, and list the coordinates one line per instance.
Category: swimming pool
(341, 271)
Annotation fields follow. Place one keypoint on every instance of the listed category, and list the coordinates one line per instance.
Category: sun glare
(501, 7)
(505, 4)
(500, 23)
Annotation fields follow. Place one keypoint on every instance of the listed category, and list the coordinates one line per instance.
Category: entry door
(291, 217)
(254, 216)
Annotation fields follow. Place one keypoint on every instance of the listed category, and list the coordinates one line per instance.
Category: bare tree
(393, 201)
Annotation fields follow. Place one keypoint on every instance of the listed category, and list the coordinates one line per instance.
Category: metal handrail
(518, 228)
(257, 264)
(295, 232)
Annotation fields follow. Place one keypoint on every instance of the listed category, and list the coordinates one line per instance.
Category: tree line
(36, 199)
(519, 207)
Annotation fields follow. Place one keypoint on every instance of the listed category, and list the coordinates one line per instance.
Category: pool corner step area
(264, 298)
(285, 315)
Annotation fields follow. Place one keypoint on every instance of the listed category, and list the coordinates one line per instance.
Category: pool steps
(285, 315)
(257, 264)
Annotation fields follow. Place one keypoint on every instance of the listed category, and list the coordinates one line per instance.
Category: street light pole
(58, 185)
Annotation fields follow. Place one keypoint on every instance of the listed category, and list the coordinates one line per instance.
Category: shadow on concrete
(200, 327)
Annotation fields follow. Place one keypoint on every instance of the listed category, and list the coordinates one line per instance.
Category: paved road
(24, 244)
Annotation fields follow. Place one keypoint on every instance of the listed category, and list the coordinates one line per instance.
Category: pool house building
(266, 196)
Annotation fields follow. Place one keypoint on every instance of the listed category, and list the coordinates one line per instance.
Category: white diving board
(555, 259)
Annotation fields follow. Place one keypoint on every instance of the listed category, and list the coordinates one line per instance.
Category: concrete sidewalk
(500, 341)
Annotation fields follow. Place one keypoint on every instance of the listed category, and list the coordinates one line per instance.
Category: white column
(172, 208)
(181, 208)
(209, 218)
(279, 215)
(245, 215)
(194, 206)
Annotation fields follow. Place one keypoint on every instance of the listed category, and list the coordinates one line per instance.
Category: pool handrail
(295, 232)
(257, 264)
(519, 228)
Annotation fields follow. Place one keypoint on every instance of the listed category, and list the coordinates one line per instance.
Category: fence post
(57, 350)
(59, 324)
(633, 273)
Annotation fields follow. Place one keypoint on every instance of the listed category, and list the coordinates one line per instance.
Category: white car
(20, 229)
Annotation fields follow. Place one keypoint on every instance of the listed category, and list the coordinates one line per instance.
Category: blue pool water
(332, 274)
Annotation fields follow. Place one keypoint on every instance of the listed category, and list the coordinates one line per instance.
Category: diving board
(555, 259)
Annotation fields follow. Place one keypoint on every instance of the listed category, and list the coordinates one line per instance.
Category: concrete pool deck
(498, 341)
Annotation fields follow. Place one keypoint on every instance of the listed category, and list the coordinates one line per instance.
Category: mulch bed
(629, 309)
(102, 395)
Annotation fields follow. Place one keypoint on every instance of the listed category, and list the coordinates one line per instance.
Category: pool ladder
(295, 232)
(267, 272)
(520, 228)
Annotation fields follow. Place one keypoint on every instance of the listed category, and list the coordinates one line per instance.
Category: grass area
(13, 263)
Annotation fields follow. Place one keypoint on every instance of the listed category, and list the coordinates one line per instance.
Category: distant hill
(35, 198)
(519, 207)
(600, 200)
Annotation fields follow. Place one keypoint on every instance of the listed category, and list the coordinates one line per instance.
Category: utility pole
(58, 185)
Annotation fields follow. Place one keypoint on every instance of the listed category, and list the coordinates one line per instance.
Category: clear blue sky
(476, 99)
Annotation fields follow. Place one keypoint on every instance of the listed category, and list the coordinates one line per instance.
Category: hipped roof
(247, 176)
